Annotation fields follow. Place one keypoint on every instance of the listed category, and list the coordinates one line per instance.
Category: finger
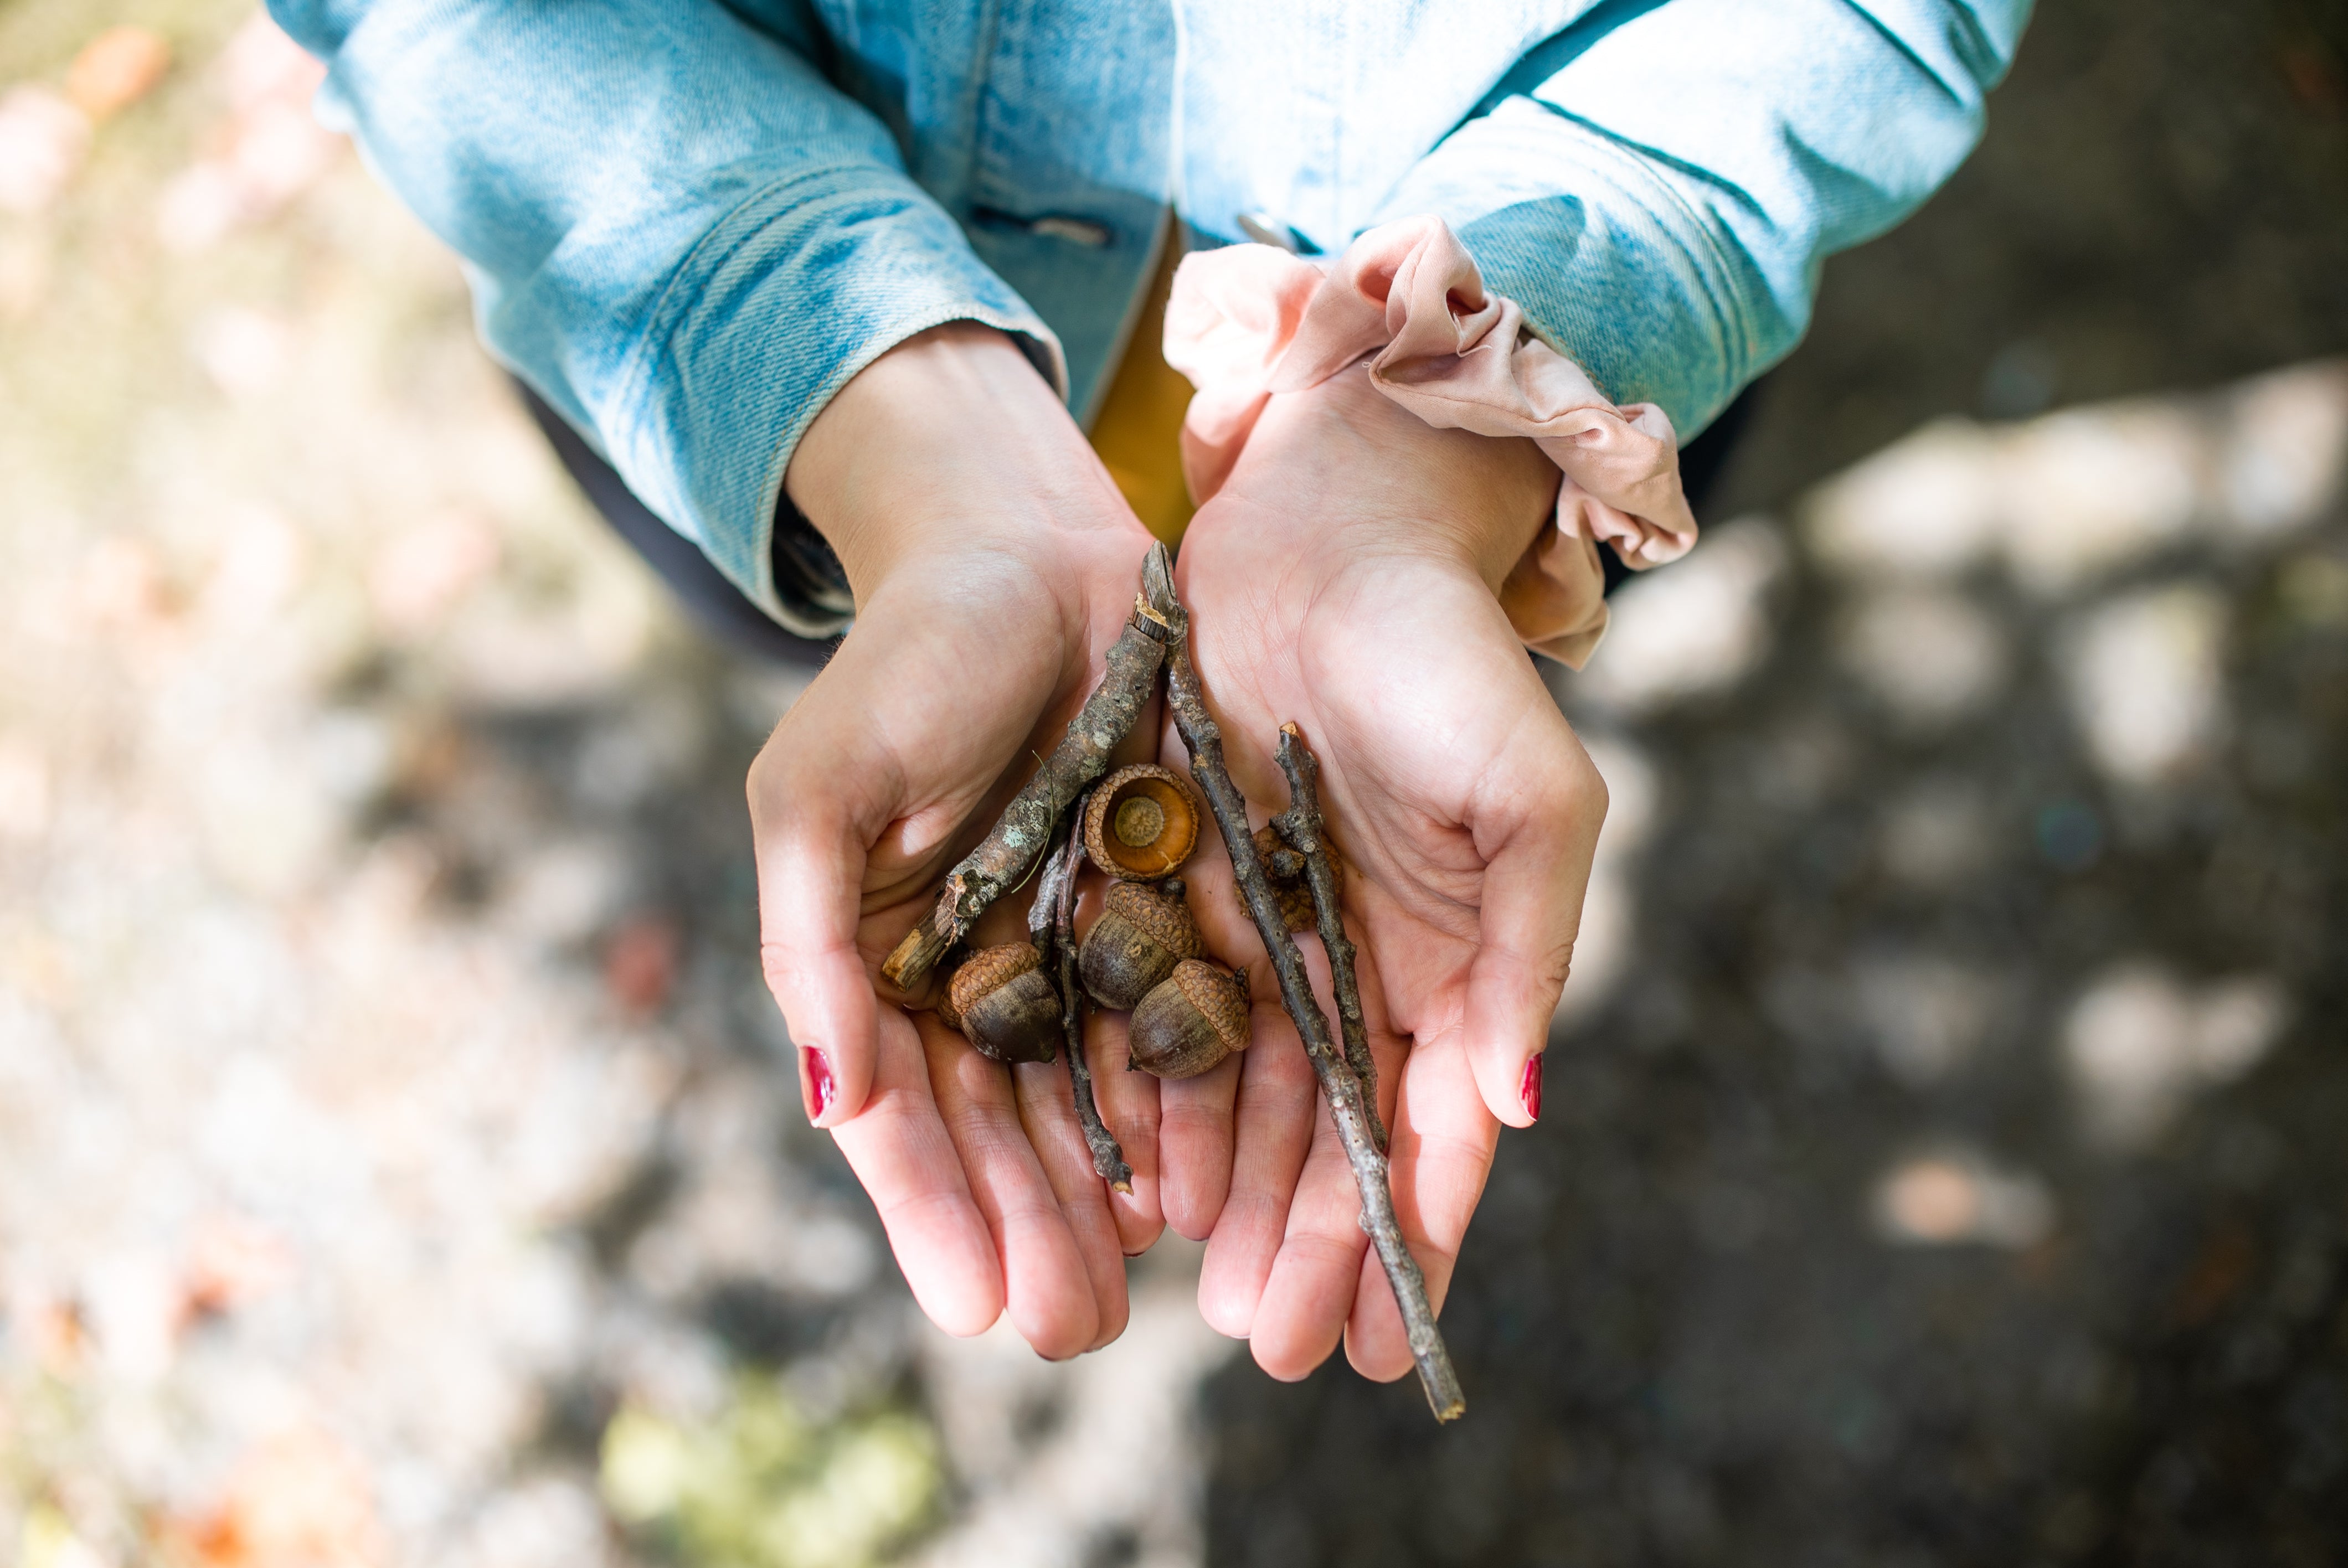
(1195, 1127)
(1048, 1112)
(1443, 1143)
(1533, 888)
(1045, 1286)
(898, 1146)
(1273, 1122)
(1317, 1275)
(810, 862)
(1195, 1141)
(1128, 1102)
(1317, 1272)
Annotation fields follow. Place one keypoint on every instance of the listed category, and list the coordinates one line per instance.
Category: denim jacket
(688, 222)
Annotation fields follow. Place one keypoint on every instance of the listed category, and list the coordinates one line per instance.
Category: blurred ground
(394, 1164)
(1942, 1159)
(1941, 1165)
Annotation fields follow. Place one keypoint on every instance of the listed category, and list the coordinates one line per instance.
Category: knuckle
(1555, 965)
(775, 965)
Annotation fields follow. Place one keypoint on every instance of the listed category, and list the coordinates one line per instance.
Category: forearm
(950, 440)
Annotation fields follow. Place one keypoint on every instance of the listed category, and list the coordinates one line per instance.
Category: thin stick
(1004, 855)
(1205, 739)
(1059, 886)
(1042, 912)
(1301, 828)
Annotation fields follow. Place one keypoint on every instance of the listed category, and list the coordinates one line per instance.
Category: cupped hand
(993, 563)
(1344, 578)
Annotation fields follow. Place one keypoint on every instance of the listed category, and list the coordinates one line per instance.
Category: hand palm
(1462, 806)
(964, 661)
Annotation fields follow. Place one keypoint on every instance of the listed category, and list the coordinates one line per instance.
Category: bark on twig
(1302, 829)
(1338, 1081)
(1008, 851)
(1043, 924)
(1053, 922)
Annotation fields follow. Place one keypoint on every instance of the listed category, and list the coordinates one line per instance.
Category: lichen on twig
(1006, 855)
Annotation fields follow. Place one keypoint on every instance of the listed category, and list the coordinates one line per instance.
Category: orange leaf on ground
(297, 1500)
(116, 69)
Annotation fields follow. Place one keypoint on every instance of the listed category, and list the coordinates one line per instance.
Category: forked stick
(1301, 828)
(1347, 1103)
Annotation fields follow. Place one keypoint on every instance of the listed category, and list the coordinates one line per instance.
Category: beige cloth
(1248, 321)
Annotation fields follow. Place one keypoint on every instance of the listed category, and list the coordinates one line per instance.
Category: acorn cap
(1142, 823)
(1221, 997)
(1008, 1006)
(1161, 913)
(1143, 932)
(948, 1014)
(1195, 1018)
(987, 969)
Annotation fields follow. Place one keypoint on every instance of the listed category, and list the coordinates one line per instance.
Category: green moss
(761, 1486)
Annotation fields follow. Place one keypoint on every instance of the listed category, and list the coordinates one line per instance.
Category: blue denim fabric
(689, 222)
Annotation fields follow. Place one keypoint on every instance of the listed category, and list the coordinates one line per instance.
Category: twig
(1338, 1081)
(1052, 922)
(1002, 857)
(1042, 922)
(1301, 828)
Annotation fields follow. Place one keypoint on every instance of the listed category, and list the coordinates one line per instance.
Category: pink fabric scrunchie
(1248, 321)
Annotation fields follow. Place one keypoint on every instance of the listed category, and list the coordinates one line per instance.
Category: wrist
(1375, 481)
(951, 442)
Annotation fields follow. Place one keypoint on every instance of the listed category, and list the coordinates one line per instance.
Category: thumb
(1533, 889)
(810, 882)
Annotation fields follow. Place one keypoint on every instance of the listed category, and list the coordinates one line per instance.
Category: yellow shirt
(1139, 433)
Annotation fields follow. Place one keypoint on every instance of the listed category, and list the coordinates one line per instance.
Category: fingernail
(816, 1068)
(1529, 1089)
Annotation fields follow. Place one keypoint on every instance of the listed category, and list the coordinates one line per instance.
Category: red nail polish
(820, 1086)
(1529, 1089)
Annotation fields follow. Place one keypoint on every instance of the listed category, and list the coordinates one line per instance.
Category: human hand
(1344, 578)
(993, 563)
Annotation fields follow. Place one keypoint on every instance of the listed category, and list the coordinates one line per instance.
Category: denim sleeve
(676, 230)
(1659, 185)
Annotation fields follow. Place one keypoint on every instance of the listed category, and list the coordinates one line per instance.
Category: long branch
(1004, 857)
(1301, 828)
(1060, 888)
(1205, 740)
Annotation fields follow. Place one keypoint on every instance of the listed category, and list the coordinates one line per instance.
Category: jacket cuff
(1613, 268)
(776, 308)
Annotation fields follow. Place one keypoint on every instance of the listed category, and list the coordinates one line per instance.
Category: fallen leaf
(297, 1500)
(116, 69)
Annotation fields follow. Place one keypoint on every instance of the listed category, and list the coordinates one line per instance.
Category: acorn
(1005, 1004)
(943, 979)
(1143, 822)
(1191, 1021)
(1143, 932)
